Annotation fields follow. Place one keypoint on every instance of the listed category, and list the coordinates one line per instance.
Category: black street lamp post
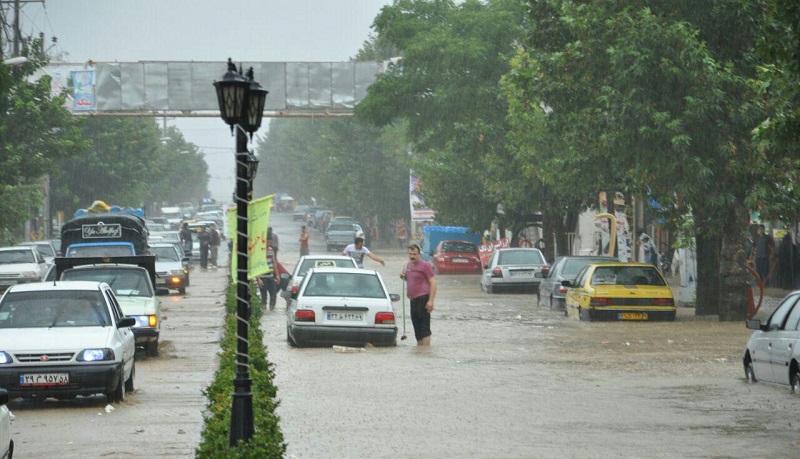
(241, 105)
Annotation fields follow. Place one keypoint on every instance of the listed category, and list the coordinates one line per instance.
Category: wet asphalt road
(503, 379)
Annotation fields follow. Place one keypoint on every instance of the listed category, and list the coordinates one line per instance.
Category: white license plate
(521, 273)
(44, 379)
(349, 316)
(459, 260)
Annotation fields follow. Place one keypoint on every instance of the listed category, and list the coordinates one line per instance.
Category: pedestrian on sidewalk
(214, 245)
(272, 240)
(303, 241)
(204, 238)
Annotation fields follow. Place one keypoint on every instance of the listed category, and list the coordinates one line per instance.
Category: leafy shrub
(267, 442)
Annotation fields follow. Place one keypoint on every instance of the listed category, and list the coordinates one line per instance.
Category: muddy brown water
(503, 379)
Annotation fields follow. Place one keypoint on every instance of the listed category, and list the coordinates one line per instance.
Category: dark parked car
(551, 292)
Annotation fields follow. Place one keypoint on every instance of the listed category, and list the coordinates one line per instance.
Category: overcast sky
(205, 30)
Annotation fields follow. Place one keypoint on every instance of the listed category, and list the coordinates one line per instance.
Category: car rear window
(459, 247)
(573, 265)
(54, 308)
(345, 284)
(341, 227)
(520, 257)
(627, 275)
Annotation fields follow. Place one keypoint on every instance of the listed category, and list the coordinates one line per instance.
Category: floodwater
(504, 378)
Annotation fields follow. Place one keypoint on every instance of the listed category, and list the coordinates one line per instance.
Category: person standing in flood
(421, 291)
(303, 241)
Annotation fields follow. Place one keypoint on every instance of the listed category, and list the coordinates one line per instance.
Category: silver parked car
(773, 351)
(551, 291)
(513, 268)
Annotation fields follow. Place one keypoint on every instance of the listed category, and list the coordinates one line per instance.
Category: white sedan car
(773, 350)
(345, 306)
(64, 339)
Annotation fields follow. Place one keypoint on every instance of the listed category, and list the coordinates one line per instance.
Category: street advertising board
(486, 250)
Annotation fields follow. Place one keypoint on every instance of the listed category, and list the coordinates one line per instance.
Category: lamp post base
(242, 427)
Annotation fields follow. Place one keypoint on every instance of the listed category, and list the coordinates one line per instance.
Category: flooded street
(504, 378)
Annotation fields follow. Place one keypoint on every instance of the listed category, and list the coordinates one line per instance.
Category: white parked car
(6, 443)
(20, 265)
(345, 306)
(315, 261)
(135, 294)
(772, 353)
(64, 339)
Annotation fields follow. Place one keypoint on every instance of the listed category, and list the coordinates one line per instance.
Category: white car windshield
(165, 253)
(59, 308)
(16, 256)
(124, 282)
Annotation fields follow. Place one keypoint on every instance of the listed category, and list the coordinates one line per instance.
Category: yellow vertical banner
(257, 224)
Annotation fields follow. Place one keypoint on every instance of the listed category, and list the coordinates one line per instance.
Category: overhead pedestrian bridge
(185, 89)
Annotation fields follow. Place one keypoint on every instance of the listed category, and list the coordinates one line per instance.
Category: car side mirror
(394, 297)
(754, 324)
(126, 322)
(566, 283)
(162, 291)
(287, 294)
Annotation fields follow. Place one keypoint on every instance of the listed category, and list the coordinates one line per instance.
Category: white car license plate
(459, 260)
(349, 316)
(521, 273)
(44, 379)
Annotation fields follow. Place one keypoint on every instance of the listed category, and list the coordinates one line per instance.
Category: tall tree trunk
(733, 273)
(552, 224)
(707, 277)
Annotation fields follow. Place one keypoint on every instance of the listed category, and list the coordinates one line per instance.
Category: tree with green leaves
(36, 132)
(447, 90)
(653, 97)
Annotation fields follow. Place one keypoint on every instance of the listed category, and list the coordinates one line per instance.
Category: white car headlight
(29, 274)
(5, 357)
(95, 355)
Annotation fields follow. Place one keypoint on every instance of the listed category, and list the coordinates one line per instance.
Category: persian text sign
(101, 231)
(257, 224)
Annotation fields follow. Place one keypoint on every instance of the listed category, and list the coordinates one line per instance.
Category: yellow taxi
(620, 292)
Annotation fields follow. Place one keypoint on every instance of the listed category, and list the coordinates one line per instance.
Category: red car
(456, 257)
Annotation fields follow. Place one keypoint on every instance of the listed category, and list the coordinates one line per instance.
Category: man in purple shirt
(421, 290)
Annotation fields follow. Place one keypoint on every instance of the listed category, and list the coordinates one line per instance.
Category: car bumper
(345, 336)
(459, 268)
(524, 283)
(628, 315)
(83, 380)
(145, 335)
(171, 282)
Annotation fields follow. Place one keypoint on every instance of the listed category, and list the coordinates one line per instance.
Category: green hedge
(268, 439)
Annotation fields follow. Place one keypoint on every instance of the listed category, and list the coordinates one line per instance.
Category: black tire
(289, 339)
(118, 394)
(796, 382)
(182, 290)
(151, 348)
(749, 374)
(130, 385)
